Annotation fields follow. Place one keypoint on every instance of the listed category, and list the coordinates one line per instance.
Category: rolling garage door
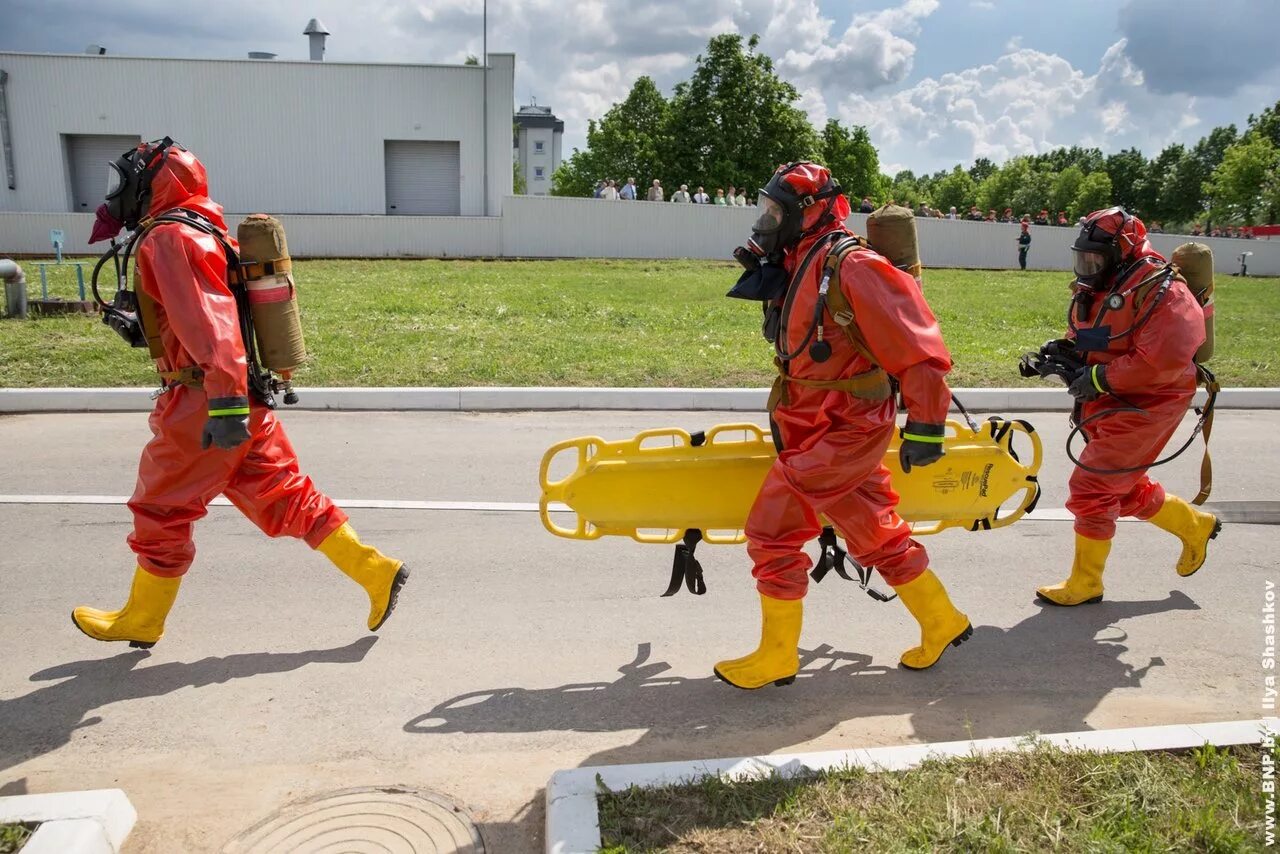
(87, 159)
(423, 178)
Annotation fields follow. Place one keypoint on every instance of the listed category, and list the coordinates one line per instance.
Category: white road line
(1234, 512)
(357, 503)
(1040, 515)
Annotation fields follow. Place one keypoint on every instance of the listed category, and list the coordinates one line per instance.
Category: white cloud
(873, 52)
(1025, 102)
(983, 5)
(581, 57)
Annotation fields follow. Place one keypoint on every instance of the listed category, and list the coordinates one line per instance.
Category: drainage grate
(375, 819)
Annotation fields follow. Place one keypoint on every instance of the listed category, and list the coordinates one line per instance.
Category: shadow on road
(1045, 674)
(44, 720)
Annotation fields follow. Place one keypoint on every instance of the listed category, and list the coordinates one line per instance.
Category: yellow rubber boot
(141, 620)
(1084, 585)
(940, 622)
(1194, 527)
(777, 659)
(380, 576)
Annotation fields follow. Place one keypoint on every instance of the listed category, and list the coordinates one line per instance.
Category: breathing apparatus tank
(891, 231)
(273, 297)
(1195, 262)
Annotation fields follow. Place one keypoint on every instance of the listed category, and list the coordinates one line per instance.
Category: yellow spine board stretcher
(662, 486)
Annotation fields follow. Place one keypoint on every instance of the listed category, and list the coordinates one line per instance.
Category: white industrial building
(281, 136)
(537, 141)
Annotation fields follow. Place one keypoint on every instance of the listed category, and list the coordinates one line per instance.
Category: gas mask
(129, 187)
(782, 209)
(1096, 252)
(763, 277)
(779, 226)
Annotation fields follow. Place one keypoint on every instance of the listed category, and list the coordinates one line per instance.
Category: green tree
(1087, 159)
(853, 160)
(628, 142)
(518, 185)
(1130, 188)
(734, 121)
(957, 190)
(981, 169)
(1066, 186)
(1019, 184)
(1094, 194)
(1205, 157)
(472, 59)
(1240, 185)
(1169, 189)
(905, 190)
(1266, 124)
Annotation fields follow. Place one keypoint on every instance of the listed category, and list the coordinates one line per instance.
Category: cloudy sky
(936, 81)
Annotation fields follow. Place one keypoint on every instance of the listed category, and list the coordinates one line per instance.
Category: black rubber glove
(921, 445)
(1089, 384)
(228, 424)
(225, 431)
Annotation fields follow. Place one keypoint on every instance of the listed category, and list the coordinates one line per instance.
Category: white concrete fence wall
(552, 227)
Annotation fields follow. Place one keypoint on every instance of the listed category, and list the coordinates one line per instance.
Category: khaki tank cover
(1195, 262)
(261, 239)
(891, 231)
(273, 297)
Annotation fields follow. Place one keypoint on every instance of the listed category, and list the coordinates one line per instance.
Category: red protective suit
(185, 272)
(1150, 368)
(833, 442)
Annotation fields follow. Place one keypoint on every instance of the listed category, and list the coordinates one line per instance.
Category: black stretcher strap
(685, 569)
(833, 559)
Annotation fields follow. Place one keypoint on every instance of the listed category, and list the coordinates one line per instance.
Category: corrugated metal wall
(295, 137)
(552, 227)
(87, 167)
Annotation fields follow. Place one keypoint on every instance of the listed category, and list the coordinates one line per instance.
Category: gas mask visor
(1089, 263)
(767, 230)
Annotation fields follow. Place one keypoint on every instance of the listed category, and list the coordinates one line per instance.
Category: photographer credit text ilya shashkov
(1269, 707)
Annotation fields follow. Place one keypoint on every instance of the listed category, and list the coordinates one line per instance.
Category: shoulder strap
(837, 303)
(1205, 377)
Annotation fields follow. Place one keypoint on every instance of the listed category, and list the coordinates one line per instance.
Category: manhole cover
(376, 819)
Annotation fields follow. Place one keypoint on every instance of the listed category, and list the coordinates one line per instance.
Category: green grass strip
(605, 323)
(1208, 799)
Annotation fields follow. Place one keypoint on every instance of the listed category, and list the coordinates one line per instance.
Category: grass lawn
(612, 323)
(13, 837)
(1207, 799)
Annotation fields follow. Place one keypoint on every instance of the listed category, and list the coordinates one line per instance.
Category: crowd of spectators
(1241, 233)
(608, 189)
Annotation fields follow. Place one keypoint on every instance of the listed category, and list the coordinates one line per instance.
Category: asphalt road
(514, 653)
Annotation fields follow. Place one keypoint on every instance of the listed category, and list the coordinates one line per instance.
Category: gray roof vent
(261, 54)
(316, 34)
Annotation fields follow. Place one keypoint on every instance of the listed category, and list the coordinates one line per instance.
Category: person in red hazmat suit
(212, 435)
(1135, 327)
(835, 417)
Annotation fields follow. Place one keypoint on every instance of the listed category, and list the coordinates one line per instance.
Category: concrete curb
(573, 818)
(92, 822)
(499, 399)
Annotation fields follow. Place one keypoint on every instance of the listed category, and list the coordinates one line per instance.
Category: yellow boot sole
(1204, 552)
(402, 575)
(956, 641)
(133, 642)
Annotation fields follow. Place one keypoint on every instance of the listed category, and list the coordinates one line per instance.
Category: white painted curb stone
(92, 822)
(573, 816)
(503, 399)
